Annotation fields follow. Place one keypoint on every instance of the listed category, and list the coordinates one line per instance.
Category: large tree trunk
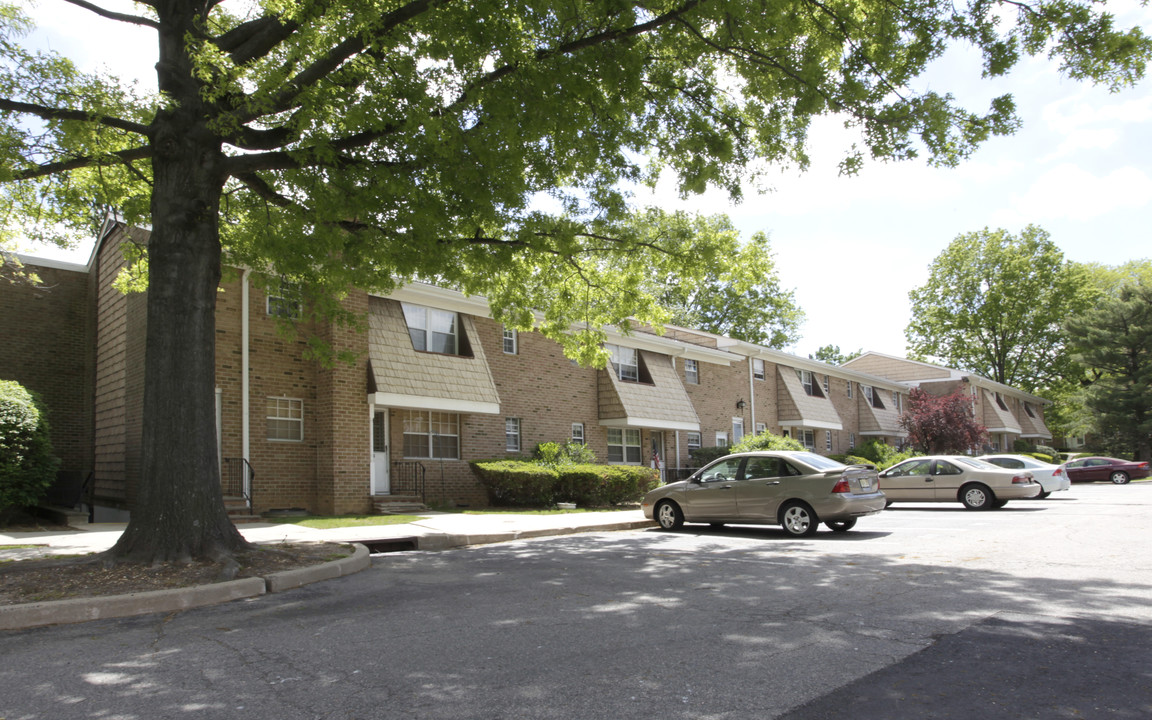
(179, 509)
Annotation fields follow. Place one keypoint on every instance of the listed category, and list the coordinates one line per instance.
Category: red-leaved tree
(942, 424)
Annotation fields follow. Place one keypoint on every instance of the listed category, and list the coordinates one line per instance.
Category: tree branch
(140, 153)
(121, 17)
(51, 113)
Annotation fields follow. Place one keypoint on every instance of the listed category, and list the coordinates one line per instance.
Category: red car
(1091, 469)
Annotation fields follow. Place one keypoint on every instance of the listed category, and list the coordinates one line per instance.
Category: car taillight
(842, 487)
(1021, 479)
(1058, 472)
(1143, 466)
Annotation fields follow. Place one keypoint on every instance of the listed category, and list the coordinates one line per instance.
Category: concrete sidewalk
(434, 531)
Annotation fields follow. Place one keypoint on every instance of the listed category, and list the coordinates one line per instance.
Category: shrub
(516, 483)
(1047, 450)
(519, 483)
(27, 465)
(1020, 445)
(882, 455)
(705, 455)
(767, 441)
(553, 454)
(1044, 457)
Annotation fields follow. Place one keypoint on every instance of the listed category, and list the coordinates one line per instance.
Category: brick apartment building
(437, 383)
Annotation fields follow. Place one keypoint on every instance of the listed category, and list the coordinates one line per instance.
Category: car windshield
(818, 461)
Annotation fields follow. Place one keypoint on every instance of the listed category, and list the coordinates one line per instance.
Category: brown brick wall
(47, 348)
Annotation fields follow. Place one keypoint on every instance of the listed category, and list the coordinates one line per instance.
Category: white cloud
(1070, 192)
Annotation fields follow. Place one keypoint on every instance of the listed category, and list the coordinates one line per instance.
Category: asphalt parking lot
(1040, 610)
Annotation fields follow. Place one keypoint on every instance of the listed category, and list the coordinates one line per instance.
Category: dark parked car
(1091, 469)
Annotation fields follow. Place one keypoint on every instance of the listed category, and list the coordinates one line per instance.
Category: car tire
(798, 520)
(669, 515)
(888, 503)
(976, 496)
(841, 526)
(1119, 477)
(1043, 494)
(999, 504)
(716, 526)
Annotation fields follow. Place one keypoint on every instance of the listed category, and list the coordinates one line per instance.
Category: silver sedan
(796, 490)
(956, 478)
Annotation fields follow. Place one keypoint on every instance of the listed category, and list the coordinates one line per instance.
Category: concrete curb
(77, 610)
(445, 541)
(359, 560)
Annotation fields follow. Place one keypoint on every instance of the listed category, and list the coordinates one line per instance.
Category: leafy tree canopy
(742, 298)
(831, 354)
(362, 143)
(995, 304)
(1113, 339)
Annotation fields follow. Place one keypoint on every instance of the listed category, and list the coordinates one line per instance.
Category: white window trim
(722, 439)
(758, 368)
(431, 435)
(286, 303)
(626, 434)
(512, 433)
(828, 440)
(429, 312)
(691, 371)
(760, 428)
(578, 434)
(625, 370)
(737, 429)
(849, 388)
(510, 335)
(693, 436)
(286, 418)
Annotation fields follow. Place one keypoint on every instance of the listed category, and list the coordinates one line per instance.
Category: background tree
(831, 354)
(364, 143)
(995, 304)
(1114, 341)
(942, 424)
(744, 299)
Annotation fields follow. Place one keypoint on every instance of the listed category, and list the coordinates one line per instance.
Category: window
(1000, 402)
(285, 419)
(1028, 409)
(511, 342)
(852, 441)
(693, 440)
(578, 433)
(433, 435)
(721, 439)
(808, 439)
(624, 362)
(872, 397)
(432, 330)
(737, 429)
(809, 383)
(285, 301)
(828, 440)
(825, 385)
(758, 368)
(867, 393)
(849, 388)
(624, 445)
(691, 372)
(760, 428)
(512, 434)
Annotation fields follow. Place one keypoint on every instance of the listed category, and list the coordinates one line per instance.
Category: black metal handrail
(407, 478)
(673, 474)
(233, 474)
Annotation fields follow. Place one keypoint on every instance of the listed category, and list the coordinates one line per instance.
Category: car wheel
(976, 497)
(1119, 477)
(999, 504)
(798, 520)
(841, 525)
(669, 515)
(716, 526)
(1043, 494)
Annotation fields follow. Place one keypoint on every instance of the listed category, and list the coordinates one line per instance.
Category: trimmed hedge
(27, 464)
(516, 483)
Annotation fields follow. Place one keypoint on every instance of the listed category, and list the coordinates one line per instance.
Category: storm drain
(389, 545)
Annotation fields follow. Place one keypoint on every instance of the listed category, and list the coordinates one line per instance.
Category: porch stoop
(397, 504)
(238, 512)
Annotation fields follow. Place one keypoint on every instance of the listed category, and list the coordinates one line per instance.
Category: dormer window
(1028, 409)
(625, 362)
(432, 330)
(872, 397)
(810, 386)
(1000, 402)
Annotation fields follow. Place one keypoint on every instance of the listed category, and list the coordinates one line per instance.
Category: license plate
(866, 485)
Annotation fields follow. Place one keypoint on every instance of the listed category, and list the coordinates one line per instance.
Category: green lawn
(327, 522)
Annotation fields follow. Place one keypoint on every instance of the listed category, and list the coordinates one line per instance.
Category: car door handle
(927, 479)
(773, 482)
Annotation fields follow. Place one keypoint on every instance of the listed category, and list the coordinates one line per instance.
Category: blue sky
(852, 248)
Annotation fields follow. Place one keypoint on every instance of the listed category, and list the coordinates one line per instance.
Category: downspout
(752, 389)
(245, 434)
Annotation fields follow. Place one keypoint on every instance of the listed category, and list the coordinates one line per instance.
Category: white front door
(381, 477)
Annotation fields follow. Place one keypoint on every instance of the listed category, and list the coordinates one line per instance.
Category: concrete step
(397, 505)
